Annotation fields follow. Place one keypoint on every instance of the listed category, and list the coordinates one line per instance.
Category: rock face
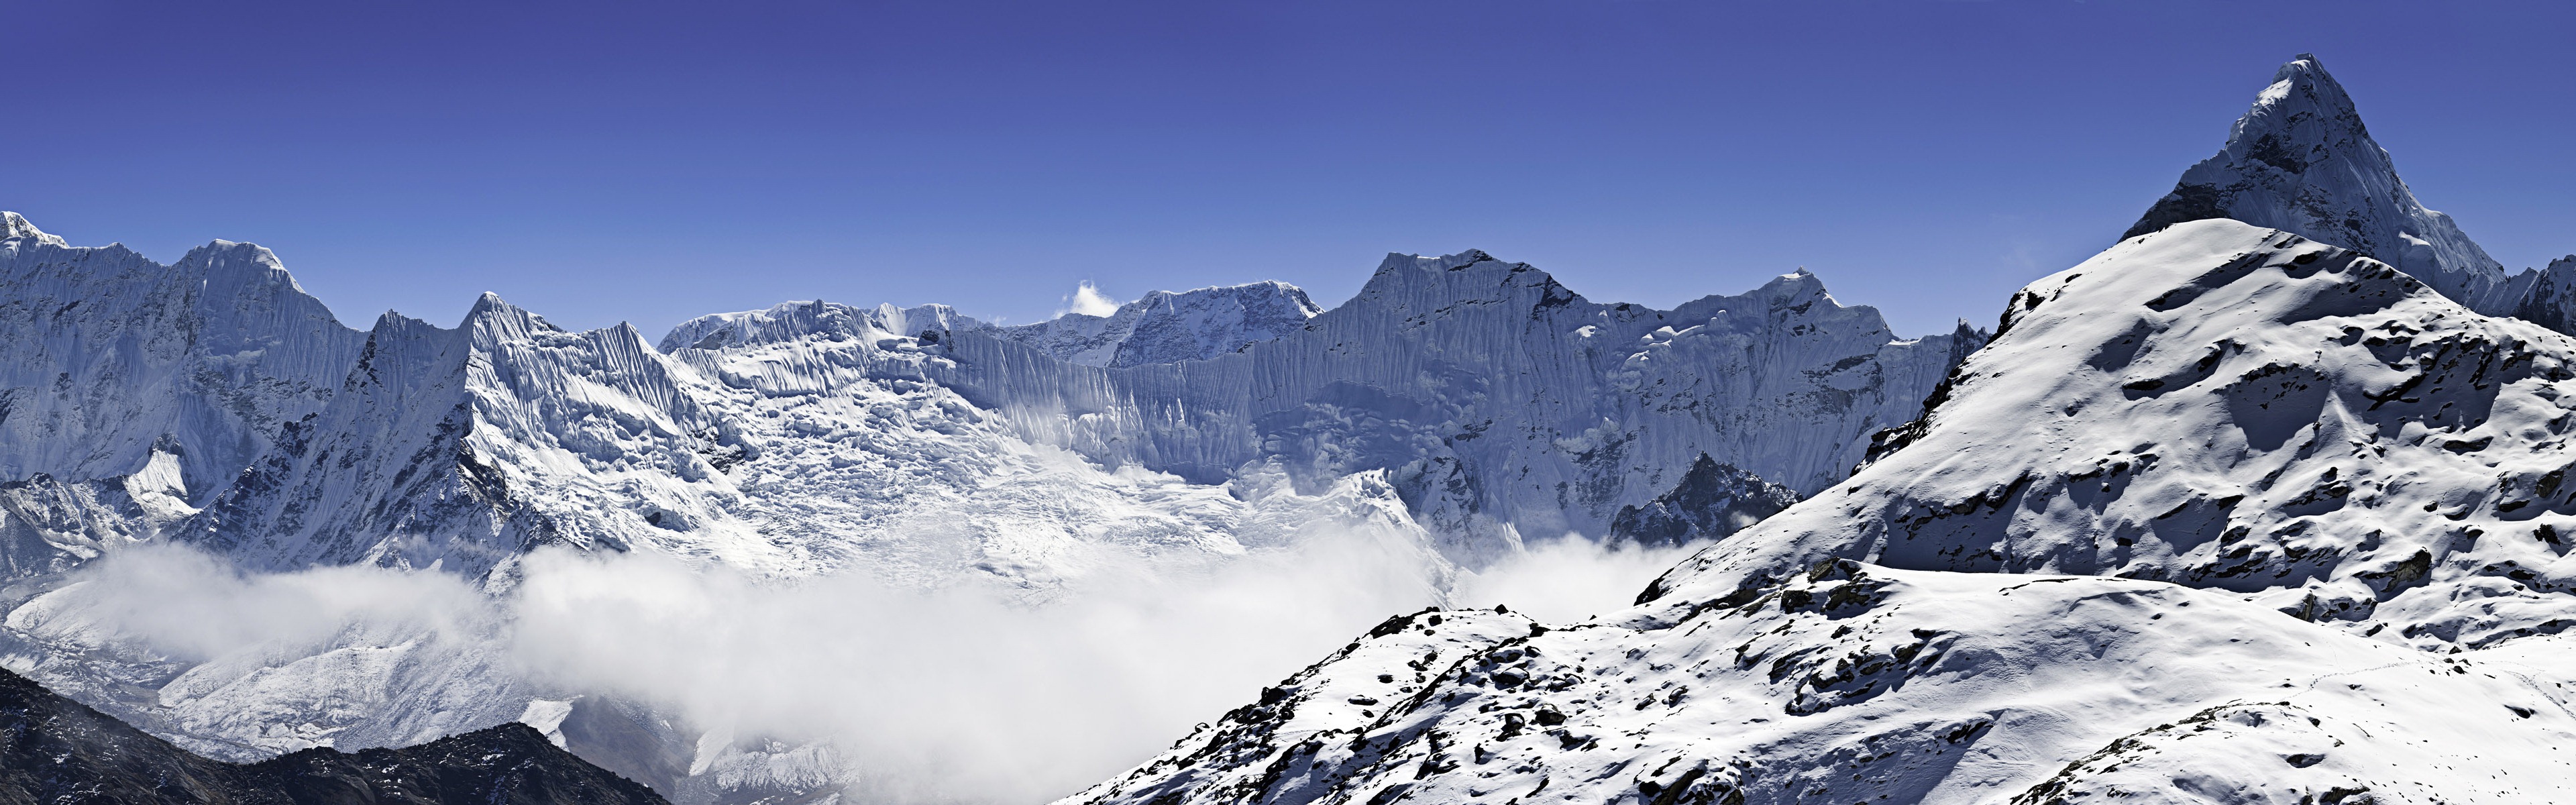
(1168, 327)
(2270, 465)
(2301, 161)
(53, 749)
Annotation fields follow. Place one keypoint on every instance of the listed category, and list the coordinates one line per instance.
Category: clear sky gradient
(599, 162)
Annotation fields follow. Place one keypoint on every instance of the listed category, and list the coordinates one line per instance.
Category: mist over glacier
(966, 693)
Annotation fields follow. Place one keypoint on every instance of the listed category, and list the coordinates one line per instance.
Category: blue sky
(600, 162)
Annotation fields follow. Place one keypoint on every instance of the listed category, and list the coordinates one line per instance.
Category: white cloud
(1089, 301)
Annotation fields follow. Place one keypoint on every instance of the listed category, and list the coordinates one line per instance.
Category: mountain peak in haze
(2300, 160)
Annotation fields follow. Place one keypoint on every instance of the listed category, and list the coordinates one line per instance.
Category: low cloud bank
(963, 694)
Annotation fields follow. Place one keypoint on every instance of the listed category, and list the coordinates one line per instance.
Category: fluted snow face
(462, 448)
(2177, 534)
(1169, 327)
(110, 362)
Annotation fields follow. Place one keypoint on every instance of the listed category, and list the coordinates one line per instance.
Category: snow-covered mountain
(1168, 327)
(1502, 404)
(1496, 402)
(2266, 503)
(57, 750)
(465, 448)
(2309, 505)
(2301, 161)
(132, 392)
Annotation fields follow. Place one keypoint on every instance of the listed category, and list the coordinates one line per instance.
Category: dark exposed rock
(55, 750)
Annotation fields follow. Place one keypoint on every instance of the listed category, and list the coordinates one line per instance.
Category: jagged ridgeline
(1474, 401)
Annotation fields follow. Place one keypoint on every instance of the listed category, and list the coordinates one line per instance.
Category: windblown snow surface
(2221, 515)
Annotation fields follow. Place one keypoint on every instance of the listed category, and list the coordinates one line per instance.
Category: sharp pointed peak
(490, 311)
(2302, 85)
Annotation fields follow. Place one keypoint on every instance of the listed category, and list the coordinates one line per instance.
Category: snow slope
(2300, 160)
(2310, 502)
(1863, 684)
(919, 446)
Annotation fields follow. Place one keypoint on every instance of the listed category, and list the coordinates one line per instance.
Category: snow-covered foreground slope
(2301, 161)
(1864, 684)
(2330, 491)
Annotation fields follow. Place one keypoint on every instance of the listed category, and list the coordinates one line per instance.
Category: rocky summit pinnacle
(2300, 160)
